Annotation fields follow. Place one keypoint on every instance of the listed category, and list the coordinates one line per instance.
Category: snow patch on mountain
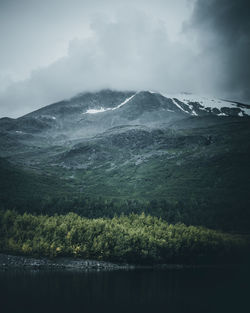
(94, 111)
(124, 102)
(180, 107)
(101, 110)
(209, 103)
(204, 101)
(205, 104)
(245, 110)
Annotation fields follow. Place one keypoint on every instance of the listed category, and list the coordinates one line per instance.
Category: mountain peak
(90, 113)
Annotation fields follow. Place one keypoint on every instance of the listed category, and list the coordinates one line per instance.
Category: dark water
(178, 291)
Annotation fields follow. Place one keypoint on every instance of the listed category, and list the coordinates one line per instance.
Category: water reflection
(178, 291)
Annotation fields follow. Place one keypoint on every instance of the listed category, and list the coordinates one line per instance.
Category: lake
(143, 290)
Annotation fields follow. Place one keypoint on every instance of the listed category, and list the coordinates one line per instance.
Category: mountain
(91, 113)
(182, 157)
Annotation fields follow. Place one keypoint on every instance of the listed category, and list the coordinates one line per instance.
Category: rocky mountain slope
(180, 153)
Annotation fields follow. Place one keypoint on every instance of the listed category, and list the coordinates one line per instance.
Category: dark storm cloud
(223, 30)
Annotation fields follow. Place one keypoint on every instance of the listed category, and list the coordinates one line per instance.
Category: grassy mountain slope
(149, 155)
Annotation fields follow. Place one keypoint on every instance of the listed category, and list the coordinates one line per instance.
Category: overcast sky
(54, 49)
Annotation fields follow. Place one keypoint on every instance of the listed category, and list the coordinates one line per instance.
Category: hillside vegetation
(179, 159)
(135, 238)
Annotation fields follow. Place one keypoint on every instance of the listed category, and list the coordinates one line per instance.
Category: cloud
(128, 51)
(222, 30)
(137, 45)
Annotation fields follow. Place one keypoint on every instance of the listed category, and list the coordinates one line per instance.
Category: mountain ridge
(175, 158)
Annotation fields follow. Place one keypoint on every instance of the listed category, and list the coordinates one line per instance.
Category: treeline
(133, 238)
(212, 214)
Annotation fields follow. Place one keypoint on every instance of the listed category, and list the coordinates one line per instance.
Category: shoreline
(9, 262)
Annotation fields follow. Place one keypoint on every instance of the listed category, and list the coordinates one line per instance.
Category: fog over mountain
(55, 49)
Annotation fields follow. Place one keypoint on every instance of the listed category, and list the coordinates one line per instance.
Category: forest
(211, 214)
(133, 238)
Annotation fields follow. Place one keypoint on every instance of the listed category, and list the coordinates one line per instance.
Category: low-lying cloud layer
(137, 47)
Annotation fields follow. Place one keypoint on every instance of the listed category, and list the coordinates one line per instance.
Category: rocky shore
(10, 261)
